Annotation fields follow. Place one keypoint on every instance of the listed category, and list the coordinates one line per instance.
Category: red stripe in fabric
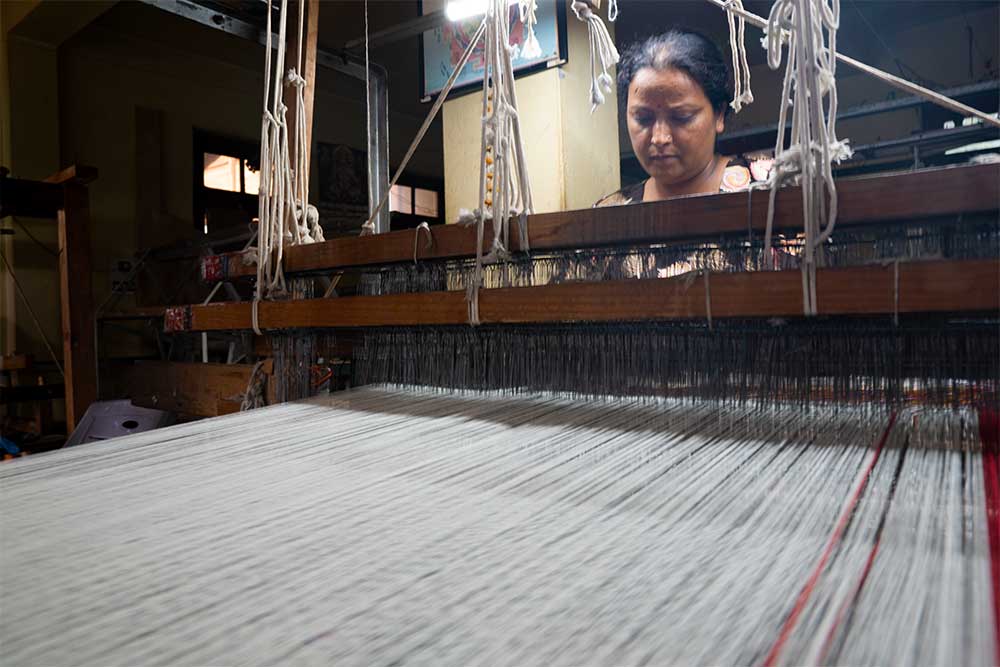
(849, 601)
(989, 433)
(838, 532)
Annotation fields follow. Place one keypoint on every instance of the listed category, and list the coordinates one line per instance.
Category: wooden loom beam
(924, 287)
(863, 200)
(309, 74)
(76, 295)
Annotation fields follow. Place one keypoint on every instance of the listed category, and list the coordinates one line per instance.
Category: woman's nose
(662, 134)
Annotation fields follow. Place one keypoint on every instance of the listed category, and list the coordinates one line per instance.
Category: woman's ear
(720, 122)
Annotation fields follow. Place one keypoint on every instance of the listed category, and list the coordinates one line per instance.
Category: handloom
(711, 430)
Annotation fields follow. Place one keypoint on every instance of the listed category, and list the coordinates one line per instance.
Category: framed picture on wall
(441, 48)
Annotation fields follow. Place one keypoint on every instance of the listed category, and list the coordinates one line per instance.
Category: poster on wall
(441, 48)
(343, 188)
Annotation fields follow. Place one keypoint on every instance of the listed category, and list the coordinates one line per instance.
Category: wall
(34, 154)
(541, 127)
(571, 154)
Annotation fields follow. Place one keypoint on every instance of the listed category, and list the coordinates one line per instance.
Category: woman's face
(671, 124)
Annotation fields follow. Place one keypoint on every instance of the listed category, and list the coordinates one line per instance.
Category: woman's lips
(662, 158)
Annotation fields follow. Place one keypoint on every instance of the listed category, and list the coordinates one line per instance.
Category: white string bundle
(504, 189)
(742, 94)
(531, 49)
(603, 54)
(810, 88)
(284, 214)
(385, 526)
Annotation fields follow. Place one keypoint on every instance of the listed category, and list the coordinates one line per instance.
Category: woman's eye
(643, 119)
(684, 119)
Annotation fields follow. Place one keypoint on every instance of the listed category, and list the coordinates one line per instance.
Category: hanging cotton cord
(504, 189)
(931, 96)
(369, 225)
(603, 54)
(423, 226)
(612, 10)
(741, 68)
(503, 185)
(530, 49)
(810, 88)
(284, 214)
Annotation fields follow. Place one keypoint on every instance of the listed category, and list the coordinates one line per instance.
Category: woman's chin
(665, 172)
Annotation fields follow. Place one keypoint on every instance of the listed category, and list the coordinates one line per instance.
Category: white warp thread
(379, 526)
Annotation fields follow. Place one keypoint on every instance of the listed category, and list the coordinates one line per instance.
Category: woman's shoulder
(630, 194)
(743, 170)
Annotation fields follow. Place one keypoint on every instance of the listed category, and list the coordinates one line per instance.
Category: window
(251, 179)
(425, 202)
(223, 172)
(226, 182)
(401, 199)
(415, 202)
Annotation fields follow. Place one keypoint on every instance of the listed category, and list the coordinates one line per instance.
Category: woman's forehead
(665, 86)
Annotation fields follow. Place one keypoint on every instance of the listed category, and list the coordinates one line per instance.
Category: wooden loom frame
(925, 286)
(64, 196)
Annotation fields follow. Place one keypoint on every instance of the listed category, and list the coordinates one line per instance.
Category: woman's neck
(708, 180)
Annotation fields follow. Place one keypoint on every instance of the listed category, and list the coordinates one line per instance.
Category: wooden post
(77, 306)
(308, 73)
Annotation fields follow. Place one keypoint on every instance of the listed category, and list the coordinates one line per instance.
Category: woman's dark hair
(686, 50)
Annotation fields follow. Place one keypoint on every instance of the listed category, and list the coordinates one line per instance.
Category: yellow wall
(572, 156)
(590, 159)
(541, 126)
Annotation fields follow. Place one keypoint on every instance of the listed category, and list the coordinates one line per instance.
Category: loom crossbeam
(868, 200)
(924, 287)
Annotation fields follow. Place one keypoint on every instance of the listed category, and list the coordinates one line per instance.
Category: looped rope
(811, 66)
(603, 54)
(530, 49)
(472, 301)
(416, 236)
(284, 214)
(741, 67)
(254, 316)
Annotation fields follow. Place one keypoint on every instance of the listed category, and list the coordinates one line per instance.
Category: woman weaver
(676, 89)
